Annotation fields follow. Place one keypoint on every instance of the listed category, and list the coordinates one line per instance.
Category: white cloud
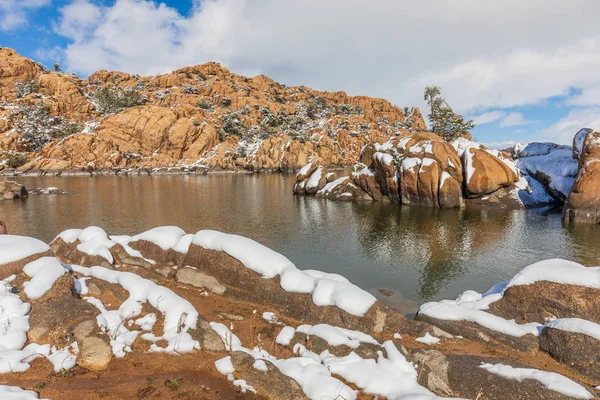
(588, 97)
(483, 54)
(488, 117)
(13, 13)
(564, 129)
(514, 119)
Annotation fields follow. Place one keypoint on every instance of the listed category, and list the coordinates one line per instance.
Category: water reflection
(420, 253)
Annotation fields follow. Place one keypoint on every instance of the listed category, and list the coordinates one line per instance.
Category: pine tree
(443, 120)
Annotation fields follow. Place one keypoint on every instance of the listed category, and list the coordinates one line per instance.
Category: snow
(576, 325)
(410, 163)
(18, 360)
(384, 147)
(427, 162)
(326, 289)
(337, 336)
(224, 366)
(468, 164)
(314, 179)
(92, 240)
(16, 393)
(470, 305)
(14, 248)
(244, 387)
(80, 285)
(165, 237)
(559, 167)
(558, 271)
(260, 365)
(392, 377)
(183, 245)
(270, 317)
(304, 170)
(315, 379)
(550, 380)
(124, 241)
(579, 140)
(179, 314)
(147, 322)
(285, 336)
(113, 322)
(445, 176)
(384, 158)
(530, 192)
(428, 339)
(328, 188)
(14, 322)
(462, 144)
(521, 150)
(363, 171)
(450, 312)
(65, 358)
(43, 273)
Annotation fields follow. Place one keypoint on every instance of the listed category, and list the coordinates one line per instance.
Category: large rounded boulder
(583, 203)
(485, 173)
(430, 173)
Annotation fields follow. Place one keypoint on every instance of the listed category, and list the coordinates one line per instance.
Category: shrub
(232, 126)
(226, 101)
(189, 89)
(443, 120)
(24, 88)
(205, 105)
(37, 127)
(110, 101)
(14, 159)
(348, 109)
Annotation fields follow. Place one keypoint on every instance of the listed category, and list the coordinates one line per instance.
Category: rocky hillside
(165, 314)
(196, 117)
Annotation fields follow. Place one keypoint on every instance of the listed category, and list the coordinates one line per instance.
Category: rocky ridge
(191, 120)
(179, 313)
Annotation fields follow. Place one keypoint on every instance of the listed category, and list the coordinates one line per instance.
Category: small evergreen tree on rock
(442, 119)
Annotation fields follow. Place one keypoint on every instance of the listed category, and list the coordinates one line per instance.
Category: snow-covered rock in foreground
(319, 335)
(549, 304)
(14, 248)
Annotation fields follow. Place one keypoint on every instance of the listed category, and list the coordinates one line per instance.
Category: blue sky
(525, 70)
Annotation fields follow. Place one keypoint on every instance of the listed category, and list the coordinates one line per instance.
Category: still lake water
(421, 254)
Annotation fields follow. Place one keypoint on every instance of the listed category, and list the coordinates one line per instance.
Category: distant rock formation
(424, 170)
(193, 119)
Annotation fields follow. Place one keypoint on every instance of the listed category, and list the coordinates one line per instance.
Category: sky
(523, 70)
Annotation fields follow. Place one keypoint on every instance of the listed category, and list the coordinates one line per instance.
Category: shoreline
(146, 171)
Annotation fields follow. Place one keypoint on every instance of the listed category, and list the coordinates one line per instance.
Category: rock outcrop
(485, 173)
(424, 170)
(583, 203)
(12, 190)
(537, 309)
(202, 115)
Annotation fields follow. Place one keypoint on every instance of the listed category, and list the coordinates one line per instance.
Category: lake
(421, 254)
